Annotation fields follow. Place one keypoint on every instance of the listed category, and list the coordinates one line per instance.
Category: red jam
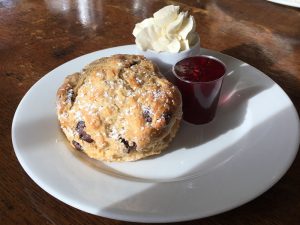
(199, 79)
(199, 69)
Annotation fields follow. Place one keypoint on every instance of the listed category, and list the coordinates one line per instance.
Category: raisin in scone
(119, 108)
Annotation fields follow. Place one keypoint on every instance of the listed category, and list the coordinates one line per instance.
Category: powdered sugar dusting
(114, 134)
(138, 80)
(157, 94)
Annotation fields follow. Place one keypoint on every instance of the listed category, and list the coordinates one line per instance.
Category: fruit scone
(119, 108)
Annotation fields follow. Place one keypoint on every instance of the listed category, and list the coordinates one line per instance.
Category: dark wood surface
(37, 36)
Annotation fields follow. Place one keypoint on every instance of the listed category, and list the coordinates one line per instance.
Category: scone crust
(119, 108)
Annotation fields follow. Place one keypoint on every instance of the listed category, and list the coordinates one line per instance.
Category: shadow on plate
(228, 185)
(238, 88)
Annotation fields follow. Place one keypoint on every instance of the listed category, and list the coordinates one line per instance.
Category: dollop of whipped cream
(169, 30)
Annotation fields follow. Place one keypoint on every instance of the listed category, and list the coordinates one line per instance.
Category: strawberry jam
(199, 80)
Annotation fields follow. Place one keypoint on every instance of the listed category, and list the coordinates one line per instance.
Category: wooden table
(37, 36)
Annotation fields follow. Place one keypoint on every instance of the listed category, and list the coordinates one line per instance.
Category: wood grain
(37, 36)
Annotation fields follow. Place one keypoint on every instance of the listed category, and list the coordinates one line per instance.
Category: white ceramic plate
(208, 169)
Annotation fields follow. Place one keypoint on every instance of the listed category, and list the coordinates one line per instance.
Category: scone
(119, 108)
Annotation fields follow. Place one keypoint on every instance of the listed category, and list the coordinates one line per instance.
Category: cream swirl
(167, 31)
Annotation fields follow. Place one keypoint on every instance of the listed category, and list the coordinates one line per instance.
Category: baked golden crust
(119, 108)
